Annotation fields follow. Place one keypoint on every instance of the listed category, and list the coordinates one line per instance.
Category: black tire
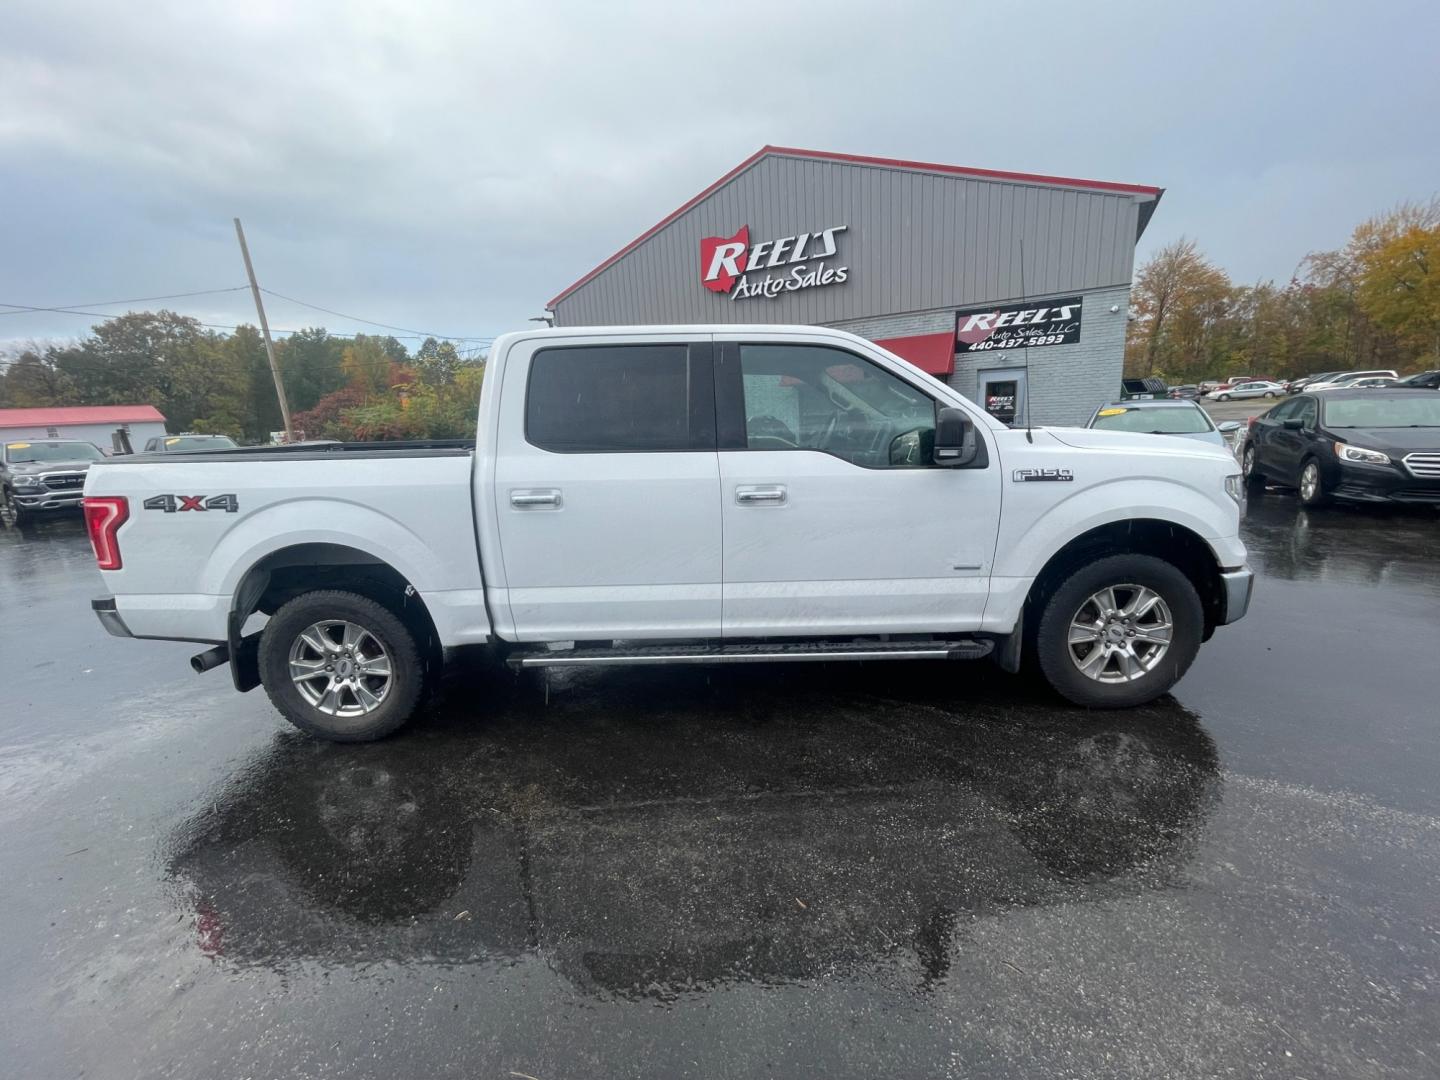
(1318, 496)
(1269, 393)
(12, 515)
(1054, 651)
(402, 692)
(1254, 482)
(1223, 397)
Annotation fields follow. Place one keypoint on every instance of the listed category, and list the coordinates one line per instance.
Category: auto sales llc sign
(1012, 326)
(771, 268)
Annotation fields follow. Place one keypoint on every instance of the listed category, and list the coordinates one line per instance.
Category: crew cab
(678, 494)
(38, 475)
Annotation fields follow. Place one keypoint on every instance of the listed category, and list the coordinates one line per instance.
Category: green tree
(310, 364)
(33, 380)
(437, 362)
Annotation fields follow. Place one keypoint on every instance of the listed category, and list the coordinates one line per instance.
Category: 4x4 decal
(174, 503)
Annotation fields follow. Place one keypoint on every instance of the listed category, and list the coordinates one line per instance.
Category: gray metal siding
(916, 240)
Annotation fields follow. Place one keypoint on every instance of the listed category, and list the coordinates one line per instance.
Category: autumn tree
(1398, 257)
(1178, 299)
(365, 364)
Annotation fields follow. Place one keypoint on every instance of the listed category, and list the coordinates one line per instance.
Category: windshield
(1154, 421)
(1421, 410)
(17, 452)
(177, 443)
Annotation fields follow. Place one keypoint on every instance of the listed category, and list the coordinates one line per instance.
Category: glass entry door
(1002, 394)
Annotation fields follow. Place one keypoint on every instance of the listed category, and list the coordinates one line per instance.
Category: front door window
(810, 397)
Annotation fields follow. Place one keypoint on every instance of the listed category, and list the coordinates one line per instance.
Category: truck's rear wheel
(1120, 631)
(341, 666)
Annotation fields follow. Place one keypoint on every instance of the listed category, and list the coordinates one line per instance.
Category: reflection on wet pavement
(1343, 544)
(663, 833)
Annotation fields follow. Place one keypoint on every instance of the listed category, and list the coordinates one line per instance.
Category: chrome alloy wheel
(1120, 633)
(1310, 481)
(1247, 462)
(340, 667)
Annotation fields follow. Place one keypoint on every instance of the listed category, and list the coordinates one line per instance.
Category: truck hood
(1136, 442)
(29, 468)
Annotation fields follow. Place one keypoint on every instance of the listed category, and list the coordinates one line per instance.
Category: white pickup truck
(676, 494)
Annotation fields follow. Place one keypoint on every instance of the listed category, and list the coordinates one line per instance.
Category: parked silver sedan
(1163, 417)
(1258, 388)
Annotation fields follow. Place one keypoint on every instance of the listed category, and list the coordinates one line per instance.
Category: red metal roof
(81, 414)
(859, 159)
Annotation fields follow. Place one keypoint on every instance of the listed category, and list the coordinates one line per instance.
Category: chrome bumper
(104, 608)
(1237, 586)
(48, 500)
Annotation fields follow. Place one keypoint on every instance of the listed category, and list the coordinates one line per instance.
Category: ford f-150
(677, 494)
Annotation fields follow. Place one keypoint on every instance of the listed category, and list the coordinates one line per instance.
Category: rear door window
(621, 399)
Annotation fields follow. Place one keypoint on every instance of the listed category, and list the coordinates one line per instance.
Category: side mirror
(956, 444)
(1292, 423)
(1228, 426)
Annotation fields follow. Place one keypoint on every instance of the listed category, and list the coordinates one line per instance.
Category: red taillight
(1251, 422)
(104, 514)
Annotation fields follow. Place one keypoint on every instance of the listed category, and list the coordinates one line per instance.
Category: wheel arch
(1176, 544)
(290, 571)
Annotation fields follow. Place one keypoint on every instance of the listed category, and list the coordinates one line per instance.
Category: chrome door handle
(524, 499)
(772, 493)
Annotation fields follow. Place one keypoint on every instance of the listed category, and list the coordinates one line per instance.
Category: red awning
(931, 353)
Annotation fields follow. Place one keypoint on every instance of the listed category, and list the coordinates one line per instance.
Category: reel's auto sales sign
(1013, 326)
(733, 265)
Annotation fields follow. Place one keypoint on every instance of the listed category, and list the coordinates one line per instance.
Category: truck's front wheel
(341, 666)
(1120, 631)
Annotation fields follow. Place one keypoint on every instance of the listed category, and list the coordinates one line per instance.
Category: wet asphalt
(851, 870)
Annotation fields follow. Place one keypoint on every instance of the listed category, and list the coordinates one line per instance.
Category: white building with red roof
(90, 423)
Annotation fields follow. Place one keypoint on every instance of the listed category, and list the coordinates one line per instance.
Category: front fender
(1028, 540)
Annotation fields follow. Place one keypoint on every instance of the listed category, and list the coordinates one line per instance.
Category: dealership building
(1013, 288)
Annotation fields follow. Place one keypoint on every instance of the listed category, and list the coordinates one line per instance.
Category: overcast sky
(448, 167)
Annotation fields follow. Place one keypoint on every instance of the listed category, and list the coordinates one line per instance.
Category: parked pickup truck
(679, 494)
(38, 475)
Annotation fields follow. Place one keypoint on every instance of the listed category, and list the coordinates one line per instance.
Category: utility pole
(265, 331)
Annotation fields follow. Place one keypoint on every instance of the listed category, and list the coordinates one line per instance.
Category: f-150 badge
(1062, 475)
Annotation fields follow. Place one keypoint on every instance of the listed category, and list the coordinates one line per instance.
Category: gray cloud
(451, 166)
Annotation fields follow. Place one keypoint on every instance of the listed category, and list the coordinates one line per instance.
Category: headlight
(1346, 452)
(1234, 486)
(27, 481)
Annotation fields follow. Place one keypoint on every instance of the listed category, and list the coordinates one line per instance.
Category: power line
(64, 308)
(370, 322)
(26, 309)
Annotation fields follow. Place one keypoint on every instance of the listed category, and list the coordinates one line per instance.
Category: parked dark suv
(43, 474)
(1378, 445)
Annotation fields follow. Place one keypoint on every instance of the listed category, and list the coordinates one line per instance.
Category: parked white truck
(679, 494)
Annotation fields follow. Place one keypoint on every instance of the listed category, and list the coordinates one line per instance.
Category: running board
(768, 653)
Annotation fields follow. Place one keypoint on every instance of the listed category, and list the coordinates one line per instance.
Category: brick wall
(1065, 382)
